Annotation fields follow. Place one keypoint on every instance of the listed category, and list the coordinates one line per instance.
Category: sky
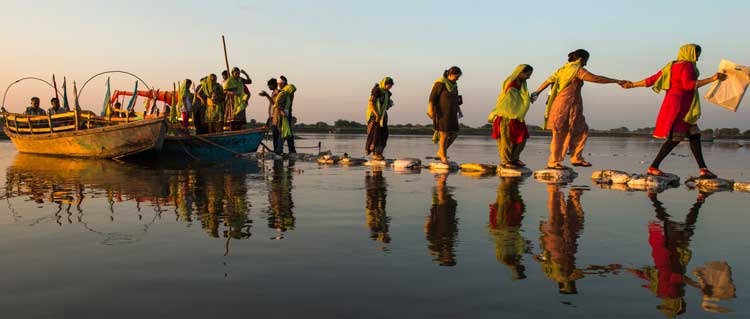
(335, 51)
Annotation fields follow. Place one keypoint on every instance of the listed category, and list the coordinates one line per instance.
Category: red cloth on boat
(518, 130)
(677, 100)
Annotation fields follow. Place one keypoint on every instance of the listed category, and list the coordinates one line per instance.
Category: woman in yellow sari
(564, 114)
(508, 117)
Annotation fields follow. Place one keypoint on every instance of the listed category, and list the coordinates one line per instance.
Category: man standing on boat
(34, 109)
(282, 117)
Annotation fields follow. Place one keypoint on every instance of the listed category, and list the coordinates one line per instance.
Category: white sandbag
(476, 167)
(378, 163)
(407, 163)
(611, 177)
(728, 93)
(513, 172)
(555, 175)
(710, 184)
(648, 182)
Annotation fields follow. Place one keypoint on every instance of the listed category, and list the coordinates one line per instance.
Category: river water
(83, 238)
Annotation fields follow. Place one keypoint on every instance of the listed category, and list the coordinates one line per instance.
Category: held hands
(625, 84)
(534, 96)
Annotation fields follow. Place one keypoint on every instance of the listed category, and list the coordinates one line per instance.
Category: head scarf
(449, 85)
(560, 80)
(513, 103)
(688, 53)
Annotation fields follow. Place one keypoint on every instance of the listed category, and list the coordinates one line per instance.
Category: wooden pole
(226, 59)
(75, 92)
(54, 83)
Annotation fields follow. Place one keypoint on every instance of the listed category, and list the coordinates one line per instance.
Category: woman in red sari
(680, 110)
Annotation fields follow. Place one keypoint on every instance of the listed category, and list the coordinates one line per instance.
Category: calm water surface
(84, 239)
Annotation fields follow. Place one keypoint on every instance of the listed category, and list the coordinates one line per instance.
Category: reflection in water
(375, 194)
(506, 215)
(441, 228)
(670, 249)
(216, 195)
(280, 204)
(559, 239)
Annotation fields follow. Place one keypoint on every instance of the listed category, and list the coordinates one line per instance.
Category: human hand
(263, 93)
(720, 76)
(534, 96)
(625, 84)
(460, 114)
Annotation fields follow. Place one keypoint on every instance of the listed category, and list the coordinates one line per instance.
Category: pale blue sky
(334, 51)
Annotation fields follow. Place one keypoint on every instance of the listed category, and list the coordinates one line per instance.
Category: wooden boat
(83, 134)
(215, 146)
(2, 132)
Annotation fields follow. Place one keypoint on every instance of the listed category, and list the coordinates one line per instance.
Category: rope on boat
(115, 71)
(22, 79)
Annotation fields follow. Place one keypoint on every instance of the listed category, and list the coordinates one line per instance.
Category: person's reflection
(280, 204)
(559, 239)
(670, 249)
(506, 215)
(441, 228)
(236, 216)
(377, 219)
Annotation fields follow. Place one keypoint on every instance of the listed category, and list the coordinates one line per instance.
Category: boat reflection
(506, 215)
(375, 203)
(441, 227)
(215, 195)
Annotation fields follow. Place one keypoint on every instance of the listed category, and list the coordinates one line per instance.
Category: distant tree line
(347, 126)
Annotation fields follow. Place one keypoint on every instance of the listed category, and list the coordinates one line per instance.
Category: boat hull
(216, 146)
(104, 142)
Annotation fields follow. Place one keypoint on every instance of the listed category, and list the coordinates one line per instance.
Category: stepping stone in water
(611, 177)
(440, 166)
(378, 163)
(476, 167)
(328, 159)
(407, 163)
(550, 175)
(710, 185)
(741, 187)
(513, 172)
(351, 161)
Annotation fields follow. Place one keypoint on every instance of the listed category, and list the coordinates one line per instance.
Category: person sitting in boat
(237, 96)
(273, 85)
(118, 110)
(34, 109)
(55, 107)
